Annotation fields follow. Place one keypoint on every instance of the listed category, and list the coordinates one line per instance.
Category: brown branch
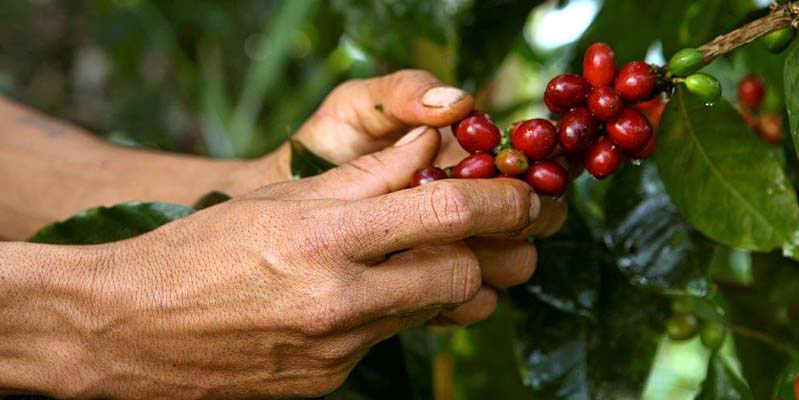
(781, 16)
(761, 337)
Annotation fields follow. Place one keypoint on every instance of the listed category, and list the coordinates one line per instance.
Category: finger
(370, 175)
(374, 112)
(547, 216)
(421, 279)
(439, 212)
(504, 263)
(475, 310)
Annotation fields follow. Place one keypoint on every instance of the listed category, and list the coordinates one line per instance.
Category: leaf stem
(761, 337)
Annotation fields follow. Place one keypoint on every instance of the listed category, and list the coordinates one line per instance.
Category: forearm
(49, 170)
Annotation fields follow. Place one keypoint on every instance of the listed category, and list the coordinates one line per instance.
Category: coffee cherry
(577, 130)
(537, 138)
(473, 113)
(557, 110)
(751, 91)
(682, 326)
(603, 158)
(704, 86)
(686, 61)
(749, 118)
(567, 91)
(712, 334)
(477, 134)
(779, 40)
(796, 387)
(476, 166)
(512, 162)
(769, 127)
(635, 81)
(605, 103)
(647, 150)
(652, 109)
(548, 178)
(426, 175)
(599, 64)
(682, 305)
(630, 131)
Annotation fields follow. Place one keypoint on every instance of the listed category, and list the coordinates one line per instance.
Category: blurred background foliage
(235, 79)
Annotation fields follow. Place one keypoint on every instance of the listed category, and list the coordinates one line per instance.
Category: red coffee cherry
(476, 166)
(512, 162)
(577, 130)
(603, 158)
(635, 81)
(751, 91)
(599, 64)
(548, 178)
(567, 91)
(426, 175)
(769, 126)
(796, 387)
(652, 109)
(749, 118)
(553, 108)
(477, 133)
(605, 103)
(537, 138)
(647, 150)
(630, 131)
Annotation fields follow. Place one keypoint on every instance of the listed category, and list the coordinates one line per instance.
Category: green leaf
(724, 180)
(110, 224)
(723, 383)
(654, 247)
(784, 388)
(211, 199)
(792, 91)
(305, 163)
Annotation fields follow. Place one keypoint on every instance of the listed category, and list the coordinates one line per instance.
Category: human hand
(280, 292)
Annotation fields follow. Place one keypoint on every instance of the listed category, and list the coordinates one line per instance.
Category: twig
(761, 337)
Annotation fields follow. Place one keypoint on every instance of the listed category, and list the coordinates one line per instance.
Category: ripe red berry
(512, 162)
(751, 91)
(635, 81)
(535, 137)
(647, 150)
(548, 178)
(477, 133)
(476, 166)
(603, 158)
(796, 387)
(769, 126)
(577, 130)
(605, 103)
(599, 64)
(749, 118)
(630, 131)
(553, 108)
(652, 109)
(426, 175)
(567, 91)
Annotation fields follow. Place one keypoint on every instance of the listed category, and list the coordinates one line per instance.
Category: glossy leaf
(109, 224)
(725, 181)
(305, 163)
(784, 388)
(654, 247)
(792, 91)
(723, 383)
(211, 199)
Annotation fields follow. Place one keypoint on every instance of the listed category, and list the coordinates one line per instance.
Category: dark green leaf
(211, 199)
(723, 383)
(792, 91)
(653, 246)
(725, 181)
(305, 163)
(109, 224)
(784, 388)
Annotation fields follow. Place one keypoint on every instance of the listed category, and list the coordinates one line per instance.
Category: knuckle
(519, 202)
(466, 280)
(450, 208)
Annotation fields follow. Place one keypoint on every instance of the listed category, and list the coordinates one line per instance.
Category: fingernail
(535, 207)
(411, 136)
(442, 96)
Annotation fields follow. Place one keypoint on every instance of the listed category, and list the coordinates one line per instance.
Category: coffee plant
(676, 275)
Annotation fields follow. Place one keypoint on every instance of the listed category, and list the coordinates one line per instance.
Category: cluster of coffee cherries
(751, 92)
(683, 324)
(599, 124)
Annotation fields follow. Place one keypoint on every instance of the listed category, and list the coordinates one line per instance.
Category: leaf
(109, 224)
(654, 247)
(792, 91)
(784, 388)
(724, 180)
(305, 163)
(211, 199)
(723, 383)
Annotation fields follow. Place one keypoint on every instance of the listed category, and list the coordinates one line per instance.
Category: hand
(280, 292)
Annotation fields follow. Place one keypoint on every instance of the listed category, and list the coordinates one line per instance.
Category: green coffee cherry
(779, 40)
(713, 334)
(686, 62)
(682, 305)
(704, 86)
(682, 326)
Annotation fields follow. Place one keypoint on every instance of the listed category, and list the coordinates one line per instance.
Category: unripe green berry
(682, 305)
(779, 40)
(704, 86)
(686, 61)
(682, 326)
(713, 334)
